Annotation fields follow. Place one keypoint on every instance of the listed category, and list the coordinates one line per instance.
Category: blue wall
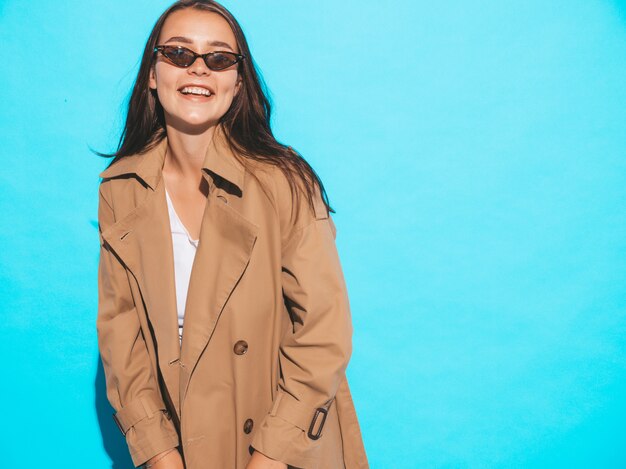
(475, 154)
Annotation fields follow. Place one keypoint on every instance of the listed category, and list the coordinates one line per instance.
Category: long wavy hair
(246, 123)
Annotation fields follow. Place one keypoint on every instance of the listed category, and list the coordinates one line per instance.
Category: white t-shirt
(184, 253)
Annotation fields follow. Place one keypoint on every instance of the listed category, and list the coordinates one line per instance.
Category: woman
(223, 323)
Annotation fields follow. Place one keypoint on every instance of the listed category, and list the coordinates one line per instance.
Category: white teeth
(195, 90)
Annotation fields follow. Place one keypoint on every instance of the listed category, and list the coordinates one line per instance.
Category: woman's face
(202, 32)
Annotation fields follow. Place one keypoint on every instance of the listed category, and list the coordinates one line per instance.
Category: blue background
(475, 154)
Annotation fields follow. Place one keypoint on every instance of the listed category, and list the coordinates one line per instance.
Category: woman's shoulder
(121, 193)
(288, 194)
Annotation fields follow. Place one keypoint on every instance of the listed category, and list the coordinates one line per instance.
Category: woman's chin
(193, 125)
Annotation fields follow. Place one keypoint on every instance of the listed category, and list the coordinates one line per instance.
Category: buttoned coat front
(267, 327)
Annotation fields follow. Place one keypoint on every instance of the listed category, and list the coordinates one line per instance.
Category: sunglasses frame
(238, 57)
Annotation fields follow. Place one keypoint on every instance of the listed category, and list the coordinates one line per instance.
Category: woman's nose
(199, 66)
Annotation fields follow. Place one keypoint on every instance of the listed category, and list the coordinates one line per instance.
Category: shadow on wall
(113, 441)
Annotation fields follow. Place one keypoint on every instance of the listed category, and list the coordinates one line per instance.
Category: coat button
(241, 347)
(247, 426)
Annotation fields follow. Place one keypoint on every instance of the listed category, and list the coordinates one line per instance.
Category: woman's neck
(185, 153)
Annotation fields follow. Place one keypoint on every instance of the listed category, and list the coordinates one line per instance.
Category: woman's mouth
(194, 93)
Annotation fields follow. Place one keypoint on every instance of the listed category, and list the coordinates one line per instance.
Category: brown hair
(246, 123)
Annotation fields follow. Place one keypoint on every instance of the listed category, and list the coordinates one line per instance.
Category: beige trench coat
(267, 333)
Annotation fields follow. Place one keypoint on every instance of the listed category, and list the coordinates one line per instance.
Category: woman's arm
(131, 387)
(315, 353)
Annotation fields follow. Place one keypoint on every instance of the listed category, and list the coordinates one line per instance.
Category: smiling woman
(206, 32)
(224, 324)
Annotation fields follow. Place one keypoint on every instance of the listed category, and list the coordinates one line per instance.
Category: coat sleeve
(314, 353)
(131, 387)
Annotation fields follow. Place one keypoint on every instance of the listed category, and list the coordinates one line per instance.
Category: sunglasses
(183, 57)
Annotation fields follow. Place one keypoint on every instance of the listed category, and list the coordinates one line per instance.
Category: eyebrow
(189, 41)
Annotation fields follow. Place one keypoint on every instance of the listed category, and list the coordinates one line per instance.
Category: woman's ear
(152, 79)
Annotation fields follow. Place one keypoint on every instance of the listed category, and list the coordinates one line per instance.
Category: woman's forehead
(196, 27)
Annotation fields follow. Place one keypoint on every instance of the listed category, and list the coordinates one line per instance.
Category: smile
(196, 91)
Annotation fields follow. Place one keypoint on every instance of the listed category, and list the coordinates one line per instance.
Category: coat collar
(219, 159)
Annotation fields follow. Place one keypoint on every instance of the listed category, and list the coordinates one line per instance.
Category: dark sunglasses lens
(220, 60)
(179, 56)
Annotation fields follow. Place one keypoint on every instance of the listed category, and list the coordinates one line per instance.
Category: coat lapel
(142, 240)
(227, 239)
(226, 243)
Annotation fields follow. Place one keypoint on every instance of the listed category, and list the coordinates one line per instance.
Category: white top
(184, 253)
